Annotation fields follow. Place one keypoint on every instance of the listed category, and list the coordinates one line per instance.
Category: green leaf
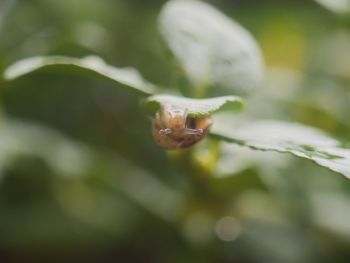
(127, 77)
(337, 6)
(297, 139)
(195, 107)
(5, 7)
(214, 51)
(61, 154)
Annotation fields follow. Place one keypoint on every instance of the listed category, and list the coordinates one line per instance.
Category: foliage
(78, 167)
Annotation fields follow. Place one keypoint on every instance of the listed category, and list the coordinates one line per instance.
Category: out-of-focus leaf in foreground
(297, 139)
(214, 51)
(195, 107)
(128, 77)
(70, 158)
(338, 6)
(62, 155)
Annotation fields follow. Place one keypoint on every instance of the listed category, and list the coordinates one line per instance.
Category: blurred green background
(82, 180)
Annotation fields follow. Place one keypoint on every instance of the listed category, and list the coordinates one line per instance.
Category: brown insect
(174, 129)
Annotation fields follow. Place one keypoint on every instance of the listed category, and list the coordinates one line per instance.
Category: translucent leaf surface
(213, 50)
(195, 107)
(127, 77)
(297, 139)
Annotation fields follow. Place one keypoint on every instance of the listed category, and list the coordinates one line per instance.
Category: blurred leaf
(335, 204)
(128, 77)
(62, 155)
(338, 6)
(195, 107)
(299, 140)
(67, 157)
(213, 50)
(146, 190)
(235, 159)
(5, 7)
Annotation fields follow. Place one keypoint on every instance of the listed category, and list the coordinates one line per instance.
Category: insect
(174, 129)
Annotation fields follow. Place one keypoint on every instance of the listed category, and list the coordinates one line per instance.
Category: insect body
(174, 129)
